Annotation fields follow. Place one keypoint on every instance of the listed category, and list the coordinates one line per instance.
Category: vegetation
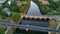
(23, 8)
(16, 17)
(13, 9)
(53, 23)
(1, 31)
(53, 8)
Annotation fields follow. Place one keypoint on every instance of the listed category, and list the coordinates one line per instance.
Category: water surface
(34, 9)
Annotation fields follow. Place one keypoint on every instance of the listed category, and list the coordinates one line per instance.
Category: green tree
(16, 17)
(1, 31)
(14, 6)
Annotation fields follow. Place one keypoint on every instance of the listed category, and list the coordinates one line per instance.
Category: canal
(33, 10)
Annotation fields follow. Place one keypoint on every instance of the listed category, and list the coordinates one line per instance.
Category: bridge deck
(30, 27)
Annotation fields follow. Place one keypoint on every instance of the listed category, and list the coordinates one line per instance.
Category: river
(33, 10)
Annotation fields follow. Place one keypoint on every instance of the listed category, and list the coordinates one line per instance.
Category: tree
(14, 6)
(1, 31)
(16, 17)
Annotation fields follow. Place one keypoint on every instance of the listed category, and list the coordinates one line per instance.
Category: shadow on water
(41, 23)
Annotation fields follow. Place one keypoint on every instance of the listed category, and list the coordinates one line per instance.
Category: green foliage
(16, 17)
(13, 8)
(48, 9)
(24, 0)
(22, 9)
(0, 11)
(1, 31)
(50, 13)
(3, 14)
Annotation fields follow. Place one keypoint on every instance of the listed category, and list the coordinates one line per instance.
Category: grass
(24, 8)
(1, 31)
(52, 24)
(16, 17)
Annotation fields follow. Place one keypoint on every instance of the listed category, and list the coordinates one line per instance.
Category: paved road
(30, 27)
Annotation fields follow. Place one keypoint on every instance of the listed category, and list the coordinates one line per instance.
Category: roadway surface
(30, 27)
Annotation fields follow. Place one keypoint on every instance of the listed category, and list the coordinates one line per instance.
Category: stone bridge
(35, 17)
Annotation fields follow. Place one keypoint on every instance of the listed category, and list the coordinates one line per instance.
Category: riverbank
(25, 11)
(48, 7)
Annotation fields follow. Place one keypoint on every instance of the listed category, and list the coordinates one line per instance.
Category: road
(30, 27)
(7, 30)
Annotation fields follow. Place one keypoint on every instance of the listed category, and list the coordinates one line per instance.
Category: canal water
(33, 10)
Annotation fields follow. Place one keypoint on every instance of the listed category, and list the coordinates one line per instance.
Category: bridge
(45, 17)
(29, 27)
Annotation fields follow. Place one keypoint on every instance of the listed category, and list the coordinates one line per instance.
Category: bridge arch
(29, 18)
(47, 19)
(24, 18)
(33, 19)
(42, 19)
(37, 18)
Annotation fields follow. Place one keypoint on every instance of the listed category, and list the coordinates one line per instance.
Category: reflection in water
(35, 23)
(34, 9)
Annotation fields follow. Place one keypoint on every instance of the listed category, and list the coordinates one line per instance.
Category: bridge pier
(33, 18)
(38, 19)
(42, 19)
(27, 29)
(47, 19)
